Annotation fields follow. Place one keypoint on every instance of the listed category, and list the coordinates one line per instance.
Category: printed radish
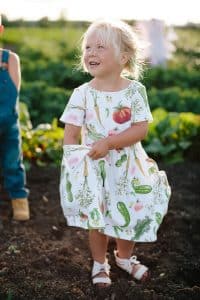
(122, 114)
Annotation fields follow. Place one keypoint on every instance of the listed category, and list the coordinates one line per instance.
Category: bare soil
(45, 259)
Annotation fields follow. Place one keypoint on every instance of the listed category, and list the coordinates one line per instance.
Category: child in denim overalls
(11, 164)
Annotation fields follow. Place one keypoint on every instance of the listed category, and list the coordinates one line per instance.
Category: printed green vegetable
(152, 170)
(141, 227)
(158, 218)
(143, 93)
(93, 134)
(117, 229)
(124, 212)
(141, 189)
(102, 170)
(62, 171)
(95, 216)
(68, 188)
(120, 161)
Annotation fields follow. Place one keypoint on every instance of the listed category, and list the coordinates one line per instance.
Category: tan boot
(20, 209)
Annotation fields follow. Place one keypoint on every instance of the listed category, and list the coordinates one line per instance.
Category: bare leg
(125, 250)
(98, 246)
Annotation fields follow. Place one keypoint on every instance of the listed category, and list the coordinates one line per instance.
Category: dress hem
(73, 222)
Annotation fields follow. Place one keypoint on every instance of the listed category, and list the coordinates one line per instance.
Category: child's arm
(136, 133)
(14, 69)
(128, 137)
(71, 134)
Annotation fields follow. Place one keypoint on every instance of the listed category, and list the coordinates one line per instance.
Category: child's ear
(1, 28)
(124, 58)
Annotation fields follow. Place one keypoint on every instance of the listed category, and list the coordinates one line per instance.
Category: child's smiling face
(100, 57)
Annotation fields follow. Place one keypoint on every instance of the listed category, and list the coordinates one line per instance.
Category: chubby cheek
(85, 60)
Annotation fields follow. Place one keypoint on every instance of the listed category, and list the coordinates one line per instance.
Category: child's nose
(93, 51)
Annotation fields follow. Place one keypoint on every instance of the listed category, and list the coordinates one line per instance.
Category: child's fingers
(91, 153)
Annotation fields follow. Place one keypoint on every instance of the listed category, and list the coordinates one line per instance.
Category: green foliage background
(49, 55)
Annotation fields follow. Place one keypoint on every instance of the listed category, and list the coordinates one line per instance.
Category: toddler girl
(108, 183)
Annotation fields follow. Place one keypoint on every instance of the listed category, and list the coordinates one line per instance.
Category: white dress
(124, 195)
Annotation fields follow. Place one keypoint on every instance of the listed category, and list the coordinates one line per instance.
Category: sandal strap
(98, 268)
(140, 272)
(101, 280)
(127, 265)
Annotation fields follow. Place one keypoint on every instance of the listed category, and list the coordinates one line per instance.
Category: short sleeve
(74, 112)
(140, 110)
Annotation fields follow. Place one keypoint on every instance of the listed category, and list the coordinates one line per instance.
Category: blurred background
(46, 34)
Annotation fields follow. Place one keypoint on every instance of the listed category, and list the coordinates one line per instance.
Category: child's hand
(99, 149)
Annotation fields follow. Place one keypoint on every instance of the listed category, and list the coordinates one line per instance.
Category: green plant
(171, 134)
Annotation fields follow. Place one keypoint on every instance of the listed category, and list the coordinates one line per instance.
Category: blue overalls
(11, 165)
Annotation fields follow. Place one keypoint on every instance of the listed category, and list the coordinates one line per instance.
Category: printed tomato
(122, 114)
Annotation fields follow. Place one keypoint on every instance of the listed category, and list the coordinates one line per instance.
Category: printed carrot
(77, 107)
(96, 107)
(85, 171)
(138, 163)
(150, 160)
(127, 164)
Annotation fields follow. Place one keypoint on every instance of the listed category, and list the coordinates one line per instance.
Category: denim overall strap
(4, 59)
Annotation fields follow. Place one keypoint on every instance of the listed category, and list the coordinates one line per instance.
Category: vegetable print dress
(123, 195)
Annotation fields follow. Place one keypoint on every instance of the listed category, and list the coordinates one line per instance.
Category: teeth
(94, 63)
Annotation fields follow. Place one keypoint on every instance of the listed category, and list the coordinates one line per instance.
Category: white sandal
(101, 268)
(127, 265)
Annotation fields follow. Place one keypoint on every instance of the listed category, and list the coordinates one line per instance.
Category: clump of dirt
(45, 259)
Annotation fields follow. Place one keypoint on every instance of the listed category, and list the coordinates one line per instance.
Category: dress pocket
(72, 177)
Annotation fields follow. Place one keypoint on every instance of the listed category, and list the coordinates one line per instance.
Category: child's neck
(110, 85)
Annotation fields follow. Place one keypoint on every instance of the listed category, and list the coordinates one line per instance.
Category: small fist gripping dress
(123, 195)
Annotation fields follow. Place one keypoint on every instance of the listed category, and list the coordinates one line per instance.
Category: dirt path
(45, 259)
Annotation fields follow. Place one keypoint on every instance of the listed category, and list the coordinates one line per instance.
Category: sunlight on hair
(122, 38)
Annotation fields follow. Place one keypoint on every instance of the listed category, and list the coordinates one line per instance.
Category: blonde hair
(123, 39)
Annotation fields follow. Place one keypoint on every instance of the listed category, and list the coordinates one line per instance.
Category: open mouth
(93, 63)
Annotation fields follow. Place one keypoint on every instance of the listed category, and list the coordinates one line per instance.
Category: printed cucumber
(68, 188)
(141, 189)
(95, 216)
(124, 212)
(120, 161)
(102, 170)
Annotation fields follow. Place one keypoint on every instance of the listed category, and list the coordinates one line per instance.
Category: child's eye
(101, 47)
(87, 47)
